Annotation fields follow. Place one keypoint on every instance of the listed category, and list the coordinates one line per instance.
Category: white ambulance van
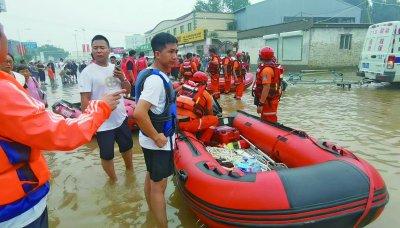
(380, 57)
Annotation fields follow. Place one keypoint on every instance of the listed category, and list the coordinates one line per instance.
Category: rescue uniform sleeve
(26, 121)
(209, 99)
(194, 67)
(85, 82)
(267, 75)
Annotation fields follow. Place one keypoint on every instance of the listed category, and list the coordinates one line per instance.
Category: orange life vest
(212, 67)
(191, 98)
(275, 86)
(229, 65)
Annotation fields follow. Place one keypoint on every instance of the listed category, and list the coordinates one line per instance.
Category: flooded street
(365, 119)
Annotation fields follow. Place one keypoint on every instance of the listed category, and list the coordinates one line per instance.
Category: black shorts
(106, 139)
(159, 163)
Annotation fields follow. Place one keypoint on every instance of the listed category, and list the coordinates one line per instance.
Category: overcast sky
(57, 21)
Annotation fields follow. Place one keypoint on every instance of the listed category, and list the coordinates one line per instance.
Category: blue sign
(30, 45)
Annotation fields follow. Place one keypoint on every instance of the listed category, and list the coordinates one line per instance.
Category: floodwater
(365, 119)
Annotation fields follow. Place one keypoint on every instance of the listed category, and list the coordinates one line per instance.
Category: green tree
(220, 6)
(213, 6)
(233, 5)
(52, 51)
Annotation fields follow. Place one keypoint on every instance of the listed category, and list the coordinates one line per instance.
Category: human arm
(235, 68)
(266, 76)
(264, 94)
(85, 99)
(225, 64)
(194, 67)
(150, 96)
(209, 99)
(26, 121)
(125, 84)
(143, 121)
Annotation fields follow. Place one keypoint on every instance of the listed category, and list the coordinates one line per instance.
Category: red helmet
(239, 54)
(199, 77)
(266, 53)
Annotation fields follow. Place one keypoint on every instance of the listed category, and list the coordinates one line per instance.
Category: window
(174, 31)
(182, 29)
(345, 41)
(231, 25)
(189, 27)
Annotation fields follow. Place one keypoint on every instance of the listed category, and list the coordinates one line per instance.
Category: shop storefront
(193, 42)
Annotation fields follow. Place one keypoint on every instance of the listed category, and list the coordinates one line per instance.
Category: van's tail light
(390, 62)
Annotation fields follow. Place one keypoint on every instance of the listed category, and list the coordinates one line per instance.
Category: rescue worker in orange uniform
(197, 60)
(188, 67)
(239, 73)
(214, 71)
(227, 64)
(267, 88)
(26, 129)
(195, 108)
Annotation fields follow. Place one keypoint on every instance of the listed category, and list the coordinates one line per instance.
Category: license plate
(365, 65)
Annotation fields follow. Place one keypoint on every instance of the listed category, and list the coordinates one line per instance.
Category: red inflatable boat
(72, 110)
(248, 81)
(307, 183)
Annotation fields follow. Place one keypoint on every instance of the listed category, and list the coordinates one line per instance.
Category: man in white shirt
(97, 79)
(153, 94)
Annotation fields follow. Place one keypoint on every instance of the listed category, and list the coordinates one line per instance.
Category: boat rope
(273, 150)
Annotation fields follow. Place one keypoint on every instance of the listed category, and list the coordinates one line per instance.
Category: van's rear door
(378, 45)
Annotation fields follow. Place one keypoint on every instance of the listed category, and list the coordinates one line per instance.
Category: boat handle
(182, 175)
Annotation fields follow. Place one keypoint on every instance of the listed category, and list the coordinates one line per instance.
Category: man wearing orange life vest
(267, 91)
(227, 64)
(188, 67)
(195, 108)
(27, 128)
(214, 71)
(239, 72)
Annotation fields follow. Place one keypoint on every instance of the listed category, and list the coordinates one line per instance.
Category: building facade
(307, 44)
(3, 6)
(271, 12)
(197, 31)
(134, 41)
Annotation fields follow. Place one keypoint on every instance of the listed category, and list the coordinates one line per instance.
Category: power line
(345, 10)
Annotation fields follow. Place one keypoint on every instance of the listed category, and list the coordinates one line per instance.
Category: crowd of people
(161, 107)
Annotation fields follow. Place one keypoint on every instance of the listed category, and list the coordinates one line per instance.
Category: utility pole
(76, 44)
(369, 11)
